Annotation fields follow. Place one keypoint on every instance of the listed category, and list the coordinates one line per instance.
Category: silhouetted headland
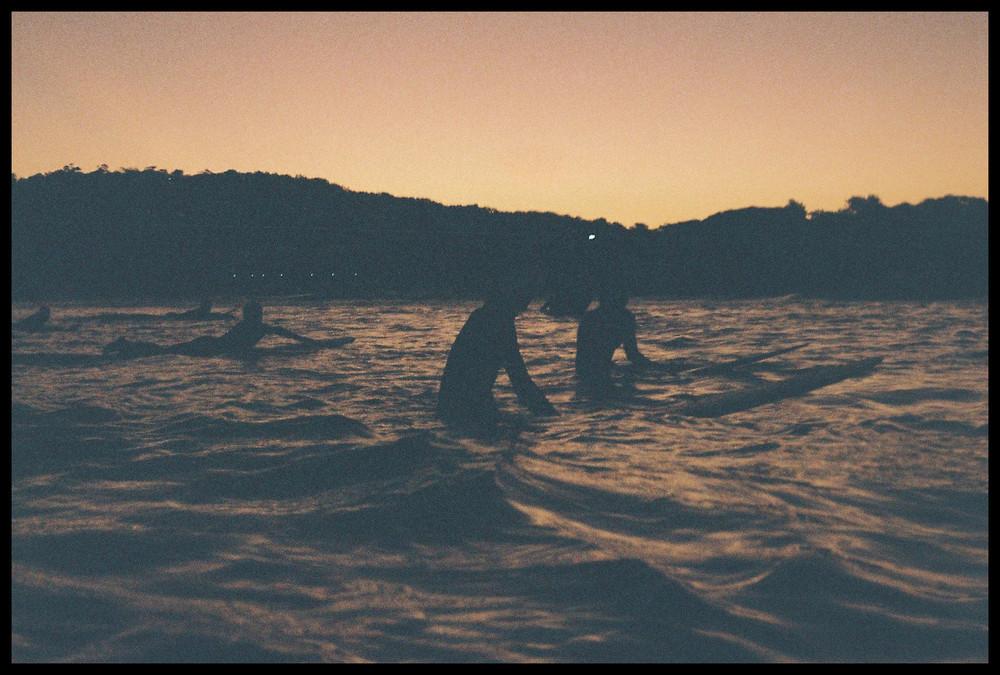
(158, 234)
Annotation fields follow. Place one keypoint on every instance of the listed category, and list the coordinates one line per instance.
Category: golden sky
(634, 117)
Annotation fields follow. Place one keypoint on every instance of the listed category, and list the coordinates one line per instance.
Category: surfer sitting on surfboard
(601, 332)
(486, 343)
(238, 340)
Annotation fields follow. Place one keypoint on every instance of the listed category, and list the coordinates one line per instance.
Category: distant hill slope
(152, 233)
(937, 249)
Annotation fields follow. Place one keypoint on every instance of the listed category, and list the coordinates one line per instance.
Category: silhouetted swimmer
(34, 322)
(601, 332)
(237, 341)
(487, 343)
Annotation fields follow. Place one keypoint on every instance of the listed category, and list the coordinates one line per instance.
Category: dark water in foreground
(306, 508)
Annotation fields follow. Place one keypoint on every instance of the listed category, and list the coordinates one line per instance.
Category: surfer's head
(253, 312)
(614, 299)
(571, 300)
(613, 291)
(44, 312)
(205, 307)
(513, 291)
(514, 298)
(514, 274)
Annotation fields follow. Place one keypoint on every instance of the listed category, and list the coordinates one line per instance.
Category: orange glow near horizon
(633, 117)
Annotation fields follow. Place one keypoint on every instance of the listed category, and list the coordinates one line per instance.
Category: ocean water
(311, 508)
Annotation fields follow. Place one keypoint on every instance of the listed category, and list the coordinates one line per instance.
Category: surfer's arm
(631, 346)
(528, 393)
(633, 353)
(284, 332)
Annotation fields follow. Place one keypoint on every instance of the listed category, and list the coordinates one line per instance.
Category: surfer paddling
(487, 343)
(237, 341)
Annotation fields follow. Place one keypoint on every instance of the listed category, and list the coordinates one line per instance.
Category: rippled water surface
(310, 507)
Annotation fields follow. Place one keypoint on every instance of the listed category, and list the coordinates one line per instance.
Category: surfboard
(301, 347)
(724, 366)
(798, 383)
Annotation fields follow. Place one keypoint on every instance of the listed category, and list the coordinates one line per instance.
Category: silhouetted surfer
(237, 341)
(601, 332)
(487, 343)
(34, 322)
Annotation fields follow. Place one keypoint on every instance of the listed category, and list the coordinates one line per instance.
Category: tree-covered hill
(153, 233)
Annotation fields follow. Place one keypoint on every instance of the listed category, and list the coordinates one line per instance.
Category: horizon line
(157, 169)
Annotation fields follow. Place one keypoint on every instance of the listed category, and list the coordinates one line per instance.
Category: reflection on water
(310, 507)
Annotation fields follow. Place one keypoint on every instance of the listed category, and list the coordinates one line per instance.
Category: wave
(65, 417)
(324, 501)
(850, 612)
(413, 489)
(910, 396)
(57, 359)
(753, 449)
(57, 440)
(942, 425)
(328, 426)
(681, 342)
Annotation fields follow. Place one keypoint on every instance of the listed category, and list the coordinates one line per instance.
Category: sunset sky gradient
(633, 117)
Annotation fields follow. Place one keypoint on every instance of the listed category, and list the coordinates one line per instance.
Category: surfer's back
(475, 358)
(601, 331)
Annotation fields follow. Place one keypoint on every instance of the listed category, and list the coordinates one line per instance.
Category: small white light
(282, 275)
(591, 236)
(234, 276)
(251, 276)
